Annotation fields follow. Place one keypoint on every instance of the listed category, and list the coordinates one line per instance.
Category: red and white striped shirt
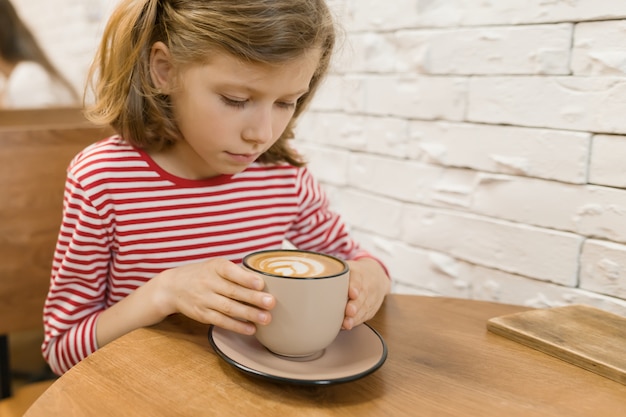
(125, 220)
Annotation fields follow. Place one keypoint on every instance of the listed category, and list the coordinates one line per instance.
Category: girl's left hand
(369, 284)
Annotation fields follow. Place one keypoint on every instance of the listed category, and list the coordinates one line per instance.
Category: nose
(259, 128)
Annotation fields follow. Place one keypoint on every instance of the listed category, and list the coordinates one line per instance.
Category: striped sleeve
(78, 284)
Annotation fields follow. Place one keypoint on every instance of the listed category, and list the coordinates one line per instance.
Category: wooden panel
(584, 336)
(33, 166)
(13, 118)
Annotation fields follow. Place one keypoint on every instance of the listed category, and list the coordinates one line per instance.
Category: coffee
(297, 264)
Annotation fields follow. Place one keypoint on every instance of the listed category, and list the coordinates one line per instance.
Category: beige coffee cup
(311, 291)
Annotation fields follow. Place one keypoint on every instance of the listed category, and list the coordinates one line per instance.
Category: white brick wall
(476, 146)
(485, 145)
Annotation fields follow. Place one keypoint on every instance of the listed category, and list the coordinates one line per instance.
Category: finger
(220, 306)
(348, 323)
(239, 275)
(351, 309)
(242, 285)
(353, 292)
(234, 325)
(229, 298)
(233, 291)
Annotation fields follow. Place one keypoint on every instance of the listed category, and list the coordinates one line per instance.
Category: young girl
(30, 78)
(204, 95)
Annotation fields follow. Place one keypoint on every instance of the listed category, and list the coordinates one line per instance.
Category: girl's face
(228, 111)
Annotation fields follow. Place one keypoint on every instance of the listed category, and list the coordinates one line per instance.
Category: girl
(204, 95)
(30, 78)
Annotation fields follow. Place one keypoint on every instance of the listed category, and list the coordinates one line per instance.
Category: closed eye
(233, 102)
(286, 105)
(240, 103)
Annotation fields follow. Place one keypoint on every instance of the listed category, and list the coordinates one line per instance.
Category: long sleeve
(78, 284)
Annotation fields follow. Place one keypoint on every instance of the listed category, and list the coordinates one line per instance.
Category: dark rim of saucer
(296, 381)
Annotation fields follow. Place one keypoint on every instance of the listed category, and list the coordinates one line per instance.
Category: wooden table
(442, 362)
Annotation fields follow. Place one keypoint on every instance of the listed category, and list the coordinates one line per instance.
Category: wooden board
(584, 336)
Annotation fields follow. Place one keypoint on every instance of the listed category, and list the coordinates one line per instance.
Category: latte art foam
(292, 266)
(298, 264)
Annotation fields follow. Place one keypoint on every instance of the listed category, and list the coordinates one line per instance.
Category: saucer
(354, 354)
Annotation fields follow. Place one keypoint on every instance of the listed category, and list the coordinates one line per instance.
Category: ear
(161, 68)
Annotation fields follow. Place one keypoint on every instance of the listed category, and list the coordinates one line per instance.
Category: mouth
(243, 158)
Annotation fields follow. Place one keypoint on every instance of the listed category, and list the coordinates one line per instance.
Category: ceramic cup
(311, 291)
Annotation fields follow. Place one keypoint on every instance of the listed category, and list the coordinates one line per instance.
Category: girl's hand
(216, 292)
(369, 285)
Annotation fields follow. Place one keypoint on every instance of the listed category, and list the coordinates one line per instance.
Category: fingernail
(263, 317)
(267, 300)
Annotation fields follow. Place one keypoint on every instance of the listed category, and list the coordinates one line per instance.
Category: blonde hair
(258, 31)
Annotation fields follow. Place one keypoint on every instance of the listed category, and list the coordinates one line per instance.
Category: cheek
(281, 122)
(198, 113)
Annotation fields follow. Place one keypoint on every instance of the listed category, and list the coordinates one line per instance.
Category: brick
(538, 253)
(378, 15)
(593, 104)
(422, 272)
(599, 48)
(369, 52)
(329, 128)
(373, 15)
(401, 180)
(371, 213)
(586, 210)
(329, 96)
(372, 134)
(540, 49)
(418, 271)
(407, 289)
(603, 268)
(542, 153)
(515, 12)
(607, 161)
(382, 247)
(328, 165)
(602, 215)
(415, 97)
(501, 287)
(429, 271)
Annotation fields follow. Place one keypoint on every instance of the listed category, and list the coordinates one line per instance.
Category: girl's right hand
(216, 292)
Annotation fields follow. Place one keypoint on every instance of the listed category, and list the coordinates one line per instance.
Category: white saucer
(354, 354)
